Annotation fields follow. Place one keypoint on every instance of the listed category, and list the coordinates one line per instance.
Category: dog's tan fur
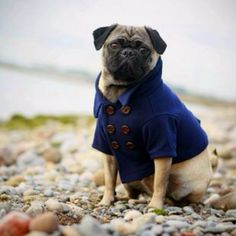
(186, 180)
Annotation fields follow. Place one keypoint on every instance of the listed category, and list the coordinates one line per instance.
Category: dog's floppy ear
(158, 43)
(100, 35)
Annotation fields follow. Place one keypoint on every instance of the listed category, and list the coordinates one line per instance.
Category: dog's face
(129, 53)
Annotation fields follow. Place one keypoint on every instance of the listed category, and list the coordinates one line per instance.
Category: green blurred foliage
(18, 121)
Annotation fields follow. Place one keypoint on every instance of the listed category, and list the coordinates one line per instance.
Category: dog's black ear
(100, 35)
(158, 43)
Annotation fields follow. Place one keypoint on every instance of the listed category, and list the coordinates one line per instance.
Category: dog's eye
(114, 45)
(138, 43)
(143, 50)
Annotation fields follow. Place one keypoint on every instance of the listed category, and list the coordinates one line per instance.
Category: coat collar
(146, 85)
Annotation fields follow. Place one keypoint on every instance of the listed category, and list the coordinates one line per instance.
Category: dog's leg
(161, 178)
(110, 171)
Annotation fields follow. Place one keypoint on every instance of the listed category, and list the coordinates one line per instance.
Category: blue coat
(148, 121)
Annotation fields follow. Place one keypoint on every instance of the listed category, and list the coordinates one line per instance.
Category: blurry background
(48, 62)
(48, 65)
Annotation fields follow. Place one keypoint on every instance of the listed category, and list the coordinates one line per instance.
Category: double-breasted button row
(129, 145)
(125, 129)
(111, 129)
(110, 110)
(125, 109)
(115, 145)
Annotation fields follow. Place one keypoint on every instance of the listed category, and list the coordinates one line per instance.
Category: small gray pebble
(48, 193)
(90, 226)
(120, 207)
(188, 209)
(200, 223)
(174, 208)
(214, 230)
(157, 229)
(178, 224)
(2, 213)
(231, 213)
(169, 229)
(196, 216)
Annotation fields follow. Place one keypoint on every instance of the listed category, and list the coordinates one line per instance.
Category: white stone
(176, 217)
(132, 214)
(66, 185)
(231, 213)
(178, 224)
(54, 205)
(157, 229)
(66, 208)
(138, 222)
(29, 158)
(90, 226)
(122, 227)
(188, 209)
(34, 210)
(48, 193)
(159, 219)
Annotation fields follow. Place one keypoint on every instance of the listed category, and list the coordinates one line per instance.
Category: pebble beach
(49, 184)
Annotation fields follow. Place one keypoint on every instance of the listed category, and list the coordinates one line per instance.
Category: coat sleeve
(160, 136)
(100, 141)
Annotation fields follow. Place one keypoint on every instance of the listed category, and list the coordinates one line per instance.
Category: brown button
(111, 129)
(125, 109)
(130, 145)
(110, 110)
(125, 129)
(115, 145)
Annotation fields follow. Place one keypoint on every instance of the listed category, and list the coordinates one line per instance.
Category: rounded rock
(66, 185)
(123, 227)
(54, 205)
(142, 220)
(15, 180)
(90, 226)
(34, 210)
(36, 233)
(70, 231)
(188, 233)
(170, 229)
(157, 229)
(178, 224)
(159, 219)
(231, 213)
(6, 157)
(48, 193)
(14, 224)
(66, 208)
(52, 155)
(188, 209)
(132, 214)
(46, 222)
(121, 207)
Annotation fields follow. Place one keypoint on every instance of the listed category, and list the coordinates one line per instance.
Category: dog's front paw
(156, 203)
(106, 201)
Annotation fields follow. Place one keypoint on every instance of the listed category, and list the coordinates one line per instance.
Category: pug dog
(145, 132)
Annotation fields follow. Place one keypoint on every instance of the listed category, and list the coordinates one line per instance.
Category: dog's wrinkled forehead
(130, 33)
(149, 36)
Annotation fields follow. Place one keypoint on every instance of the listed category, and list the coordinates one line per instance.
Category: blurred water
(35, 94)
(32, 94)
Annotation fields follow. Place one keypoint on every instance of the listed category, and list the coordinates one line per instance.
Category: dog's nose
(127, 52)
